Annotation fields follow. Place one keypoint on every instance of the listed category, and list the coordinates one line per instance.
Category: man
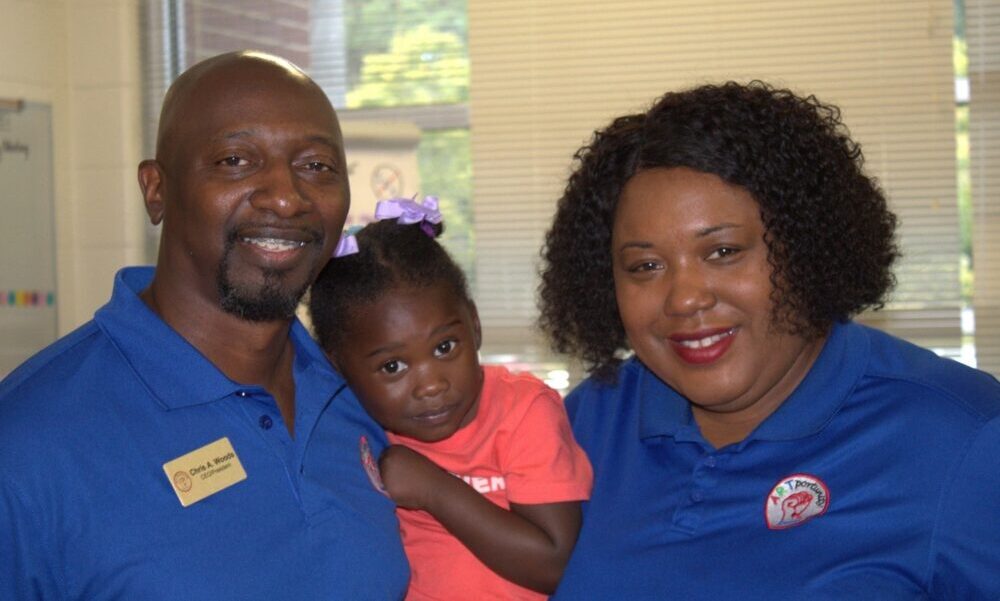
(191, 442)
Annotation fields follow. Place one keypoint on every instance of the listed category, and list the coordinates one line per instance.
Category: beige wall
(82, 58)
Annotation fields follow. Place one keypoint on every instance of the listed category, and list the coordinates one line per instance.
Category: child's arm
(528, 545)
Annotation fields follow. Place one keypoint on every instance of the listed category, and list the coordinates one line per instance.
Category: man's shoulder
(43, 401)
(55, 366)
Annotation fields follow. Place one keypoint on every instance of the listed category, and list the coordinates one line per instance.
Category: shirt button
(242, 394)
(697, 496)
(265, 422)
(710, 461)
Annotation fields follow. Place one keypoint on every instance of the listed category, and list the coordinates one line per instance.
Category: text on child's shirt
(484, 484)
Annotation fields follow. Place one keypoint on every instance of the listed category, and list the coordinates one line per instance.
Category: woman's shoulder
(606, 394)
(922, 374)
(628, 372)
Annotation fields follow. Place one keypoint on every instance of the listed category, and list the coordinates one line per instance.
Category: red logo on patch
(794, 500)
(370, 465)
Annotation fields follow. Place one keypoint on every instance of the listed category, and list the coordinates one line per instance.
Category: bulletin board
(27, 232)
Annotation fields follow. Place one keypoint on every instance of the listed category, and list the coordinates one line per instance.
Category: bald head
(250, 184)
(216, 80)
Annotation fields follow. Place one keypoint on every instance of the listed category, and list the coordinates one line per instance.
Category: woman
(758, 443)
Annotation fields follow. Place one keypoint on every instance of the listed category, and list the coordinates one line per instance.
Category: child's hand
(409, 477)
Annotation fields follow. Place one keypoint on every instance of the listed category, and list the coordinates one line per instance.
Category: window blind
(545, 75)
(983, 35)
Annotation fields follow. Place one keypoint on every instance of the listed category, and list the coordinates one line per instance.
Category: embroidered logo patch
(794, 500)
(370, 465)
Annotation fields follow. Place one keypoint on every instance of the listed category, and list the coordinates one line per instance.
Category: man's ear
(151, 183)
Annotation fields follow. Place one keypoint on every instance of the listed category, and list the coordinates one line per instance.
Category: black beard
(271, 301)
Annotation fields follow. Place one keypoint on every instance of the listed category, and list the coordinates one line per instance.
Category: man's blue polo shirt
(878, 478)
(87, 511)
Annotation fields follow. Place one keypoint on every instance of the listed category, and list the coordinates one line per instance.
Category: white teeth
(274, 244)
(707, 341)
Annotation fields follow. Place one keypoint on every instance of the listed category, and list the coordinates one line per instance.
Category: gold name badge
(204, 472)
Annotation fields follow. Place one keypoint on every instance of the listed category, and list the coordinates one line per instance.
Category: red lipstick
(700, 348)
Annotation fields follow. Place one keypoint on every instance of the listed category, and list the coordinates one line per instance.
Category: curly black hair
(389, 255)
(830, 236)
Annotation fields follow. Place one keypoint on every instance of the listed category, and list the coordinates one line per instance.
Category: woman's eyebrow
(716, 228)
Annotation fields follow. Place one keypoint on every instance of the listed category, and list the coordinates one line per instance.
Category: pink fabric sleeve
(543, 463)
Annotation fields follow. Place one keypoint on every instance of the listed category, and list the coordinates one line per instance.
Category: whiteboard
(27, 233)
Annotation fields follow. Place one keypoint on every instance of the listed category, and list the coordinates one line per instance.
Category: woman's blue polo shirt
(878, 478)
(87, 510)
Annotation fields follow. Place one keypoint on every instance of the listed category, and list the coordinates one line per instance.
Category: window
(396, 70)
(483, 103)
(546, 74)
(982, 27)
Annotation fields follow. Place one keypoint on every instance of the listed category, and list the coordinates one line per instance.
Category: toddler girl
(483, 465)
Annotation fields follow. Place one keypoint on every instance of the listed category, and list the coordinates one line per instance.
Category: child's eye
(444, 348)
(392, 367)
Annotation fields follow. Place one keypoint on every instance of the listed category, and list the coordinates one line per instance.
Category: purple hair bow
(405, 210)
(348, 245)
